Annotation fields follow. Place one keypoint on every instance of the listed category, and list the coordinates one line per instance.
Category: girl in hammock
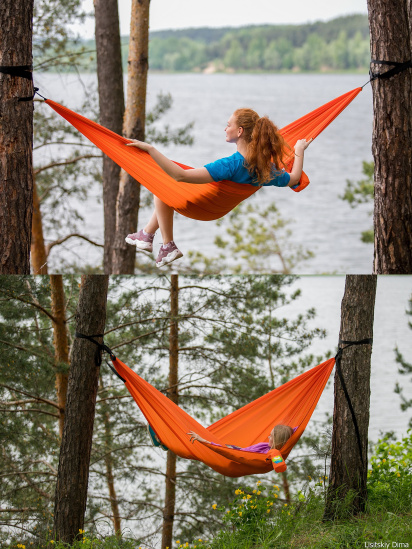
(278, 437)
(257, 162)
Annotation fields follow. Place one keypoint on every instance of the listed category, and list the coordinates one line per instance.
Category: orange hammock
(210, 200)
(290, 404)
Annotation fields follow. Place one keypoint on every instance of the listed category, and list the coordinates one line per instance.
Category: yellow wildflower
(398, 474)
(82, 531)
(214, 506)
(259, 492)
(268, 511)
(240, 513)
(276, 486)
(178, 541)
(254, 491)
(384, 460)
(285, 505)
(258, 482)
(248, 496)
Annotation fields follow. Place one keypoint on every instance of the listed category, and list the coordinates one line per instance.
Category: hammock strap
(102, 347)
(21, 71)
(397, 68)
(366, 341)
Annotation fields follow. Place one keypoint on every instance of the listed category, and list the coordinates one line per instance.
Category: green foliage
(390, 475)
(405, 369)
(340, 44)
(361, 192)
(84, 541)
(257, 241)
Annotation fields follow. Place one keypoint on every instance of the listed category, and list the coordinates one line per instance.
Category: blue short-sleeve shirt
(233, 168)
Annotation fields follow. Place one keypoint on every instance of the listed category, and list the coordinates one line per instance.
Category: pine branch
(32, 410)
(33, 304)
(65, 163)
(62, 240)
(25, 393)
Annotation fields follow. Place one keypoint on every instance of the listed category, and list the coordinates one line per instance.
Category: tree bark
(348, 471)
(390, 26)
(114, 504)
(111, 102)
(172, 393)
(73, 472)
(128, 198)
(16, 138)
(38, 249)
(61, 344)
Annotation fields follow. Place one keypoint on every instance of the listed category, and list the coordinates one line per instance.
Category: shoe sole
(140, 246)
(172, 256)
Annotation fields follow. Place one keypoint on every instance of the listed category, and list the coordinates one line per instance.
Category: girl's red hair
(266, 147)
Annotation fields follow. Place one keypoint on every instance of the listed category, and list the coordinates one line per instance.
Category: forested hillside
(339, 44)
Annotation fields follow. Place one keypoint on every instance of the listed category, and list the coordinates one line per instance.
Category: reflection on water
(320, 220)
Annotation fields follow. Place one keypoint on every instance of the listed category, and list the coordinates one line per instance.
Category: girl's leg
(152, 224)
(163, 218)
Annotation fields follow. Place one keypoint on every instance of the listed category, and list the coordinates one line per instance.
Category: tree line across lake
(339, 44)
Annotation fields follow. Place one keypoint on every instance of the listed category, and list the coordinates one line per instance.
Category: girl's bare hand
(140, 145)
(302, 144)
(194, 436)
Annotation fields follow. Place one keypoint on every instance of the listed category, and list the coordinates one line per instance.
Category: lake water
(320, 220)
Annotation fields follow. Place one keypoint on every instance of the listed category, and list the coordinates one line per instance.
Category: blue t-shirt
(233, 168)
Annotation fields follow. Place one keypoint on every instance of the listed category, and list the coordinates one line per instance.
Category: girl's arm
(296, 172)
(197, 175)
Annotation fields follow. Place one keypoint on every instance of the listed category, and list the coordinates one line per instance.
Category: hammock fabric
(290, 404)
(211, 200)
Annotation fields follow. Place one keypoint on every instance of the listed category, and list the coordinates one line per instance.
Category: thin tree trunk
(61, 344)
(128, 198)
(390, 26)
(114, 504)
(73, 472)
(38, 249)
(349, 466)
(111, 102)
(172, 393)
(16, 138)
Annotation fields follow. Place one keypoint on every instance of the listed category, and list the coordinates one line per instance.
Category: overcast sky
(179, 14)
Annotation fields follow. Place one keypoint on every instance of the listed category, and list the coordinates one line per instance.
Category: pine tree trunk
(73, 472)
(61, 344)
(348, 470)
(16, 138)
(172, 393)
(390, 26)
(38, 249)
(114, 504)
(111, 102)
(128, 198)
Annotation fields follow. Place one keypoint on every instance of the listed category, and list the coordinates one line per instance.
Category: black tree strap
(397, 68)
(366, 341)
(23, 71)
(102, 347)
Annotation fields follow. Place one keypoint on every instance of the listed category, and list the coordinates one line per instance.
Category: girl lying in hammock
(257, 162)
(278, 437)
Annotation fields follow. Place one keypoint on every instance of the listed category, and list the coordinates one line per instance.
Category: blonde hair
(281, 434)
(266, 147)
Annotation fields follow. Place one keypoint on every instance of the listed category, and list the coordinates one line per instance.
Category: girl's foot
(142, 240)
(168, 253)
